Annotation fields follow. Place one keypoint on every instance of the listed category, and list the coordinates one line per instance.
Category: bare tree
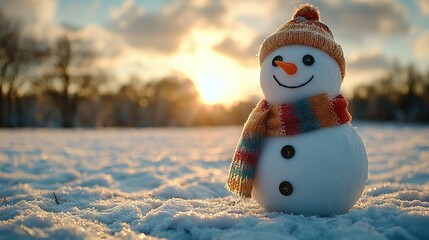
(19, 55)
(9, 34)
(73, 72)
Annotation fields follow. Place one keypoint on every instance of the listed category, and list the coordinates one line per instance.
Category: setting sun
(211, 91)
(218, 78)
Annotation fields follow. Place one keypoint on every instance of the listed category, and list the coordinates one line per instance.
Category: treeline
(402, 96)
(170, 101)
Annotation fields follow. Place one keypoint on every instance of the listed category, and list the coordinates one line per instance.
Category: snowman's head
(294, 72)
(301, 59)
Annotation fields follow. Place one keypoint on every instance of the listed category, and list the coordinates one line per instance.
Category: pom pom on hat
(308, 12)
(304, 28)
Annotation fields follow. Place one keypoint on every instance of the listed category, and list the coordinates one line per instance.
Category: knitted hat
(304, 29)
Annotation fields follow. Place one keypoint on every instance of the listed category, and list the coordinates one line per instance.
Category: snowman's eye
(308, 60)
(276, 58)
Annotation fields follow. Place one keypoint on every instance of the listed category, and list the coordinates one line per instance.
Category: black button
(288, 152)
(285, 188)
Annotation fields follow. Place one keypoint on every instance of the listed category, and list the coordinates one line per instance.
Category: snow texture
(169, 183)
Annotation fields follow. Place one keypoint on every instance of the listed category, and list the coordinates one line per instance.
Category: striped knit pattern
(280, 120)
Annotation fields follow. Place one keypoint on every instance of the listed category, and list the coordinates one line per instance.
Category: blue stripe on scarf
(251, 144)
(303, 110)
(243, 171)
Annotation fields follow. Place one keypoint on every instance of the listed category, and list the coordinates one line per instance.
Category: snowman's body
(326, 169)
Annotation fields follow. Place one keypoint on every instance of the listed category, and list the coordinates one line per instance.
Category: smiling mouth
(282, 85)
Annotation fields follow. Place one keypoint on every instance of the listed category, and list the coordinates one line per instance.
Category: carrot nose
(289, 68)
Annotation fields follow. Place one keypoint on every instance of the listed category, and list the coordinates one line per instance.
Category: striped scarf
(309, 114)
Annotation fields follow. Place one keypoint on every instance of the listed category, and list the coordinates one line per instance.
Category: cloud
(244, 55)
(364, 67)
(421, 46)
(163, 31)
(368, 61)
(36, 17)
(355, 20)
(99, 40)
(127, 11)
(424, 6)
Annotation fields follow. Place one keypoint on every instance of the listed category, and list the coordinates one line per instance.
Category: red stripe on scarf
(249, 158)
(340, 104)
(290, 122)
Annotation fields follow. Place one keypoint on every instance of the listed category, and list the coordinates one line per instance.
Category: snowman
(298, 152)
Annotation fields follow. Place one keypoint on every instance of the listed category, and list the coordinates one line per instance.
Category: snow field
(169, 183)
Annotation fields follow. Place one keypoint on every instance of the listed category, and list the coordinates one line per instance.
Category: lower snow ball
(325, 176)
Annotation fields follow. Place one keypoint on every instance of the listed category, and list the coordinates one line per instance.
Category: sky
(215, 43)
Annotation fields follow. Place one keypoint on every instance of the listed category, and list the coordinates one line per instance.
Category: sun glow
(211, 90)
(217, 78)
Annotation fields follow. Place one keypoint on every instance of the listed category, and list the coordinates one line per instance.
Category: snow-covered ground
(169, 183)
